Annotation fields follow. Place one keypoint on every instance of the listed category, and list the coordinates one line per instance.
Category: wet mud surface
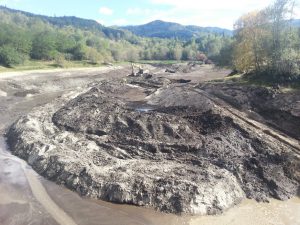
(144, 101)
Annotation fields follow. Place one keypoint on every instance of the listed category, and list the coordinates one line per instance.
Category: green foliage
(161, 29)
(93, 56)
(44, 46)
(15, 45)
(79, 52)
(188, 54)
(267, 43)
(9, 56)
(25, 18)
(60, 60)
(70, 38)
(175, 53)
(225, 57)
(64, 42)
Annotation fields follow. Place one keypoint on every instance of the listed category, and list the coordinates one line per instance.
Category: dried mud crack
(177, 150)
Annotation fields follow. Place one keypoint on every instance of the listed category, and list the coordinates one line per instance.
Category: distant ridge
(85, 24)
(157, 28)
(162, 29)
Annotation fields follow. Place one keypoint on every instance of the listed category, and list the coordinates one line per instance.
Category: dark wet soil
(18, 202)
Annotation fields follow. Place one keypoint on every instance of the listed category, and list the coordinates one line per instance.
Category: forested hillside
(265, 43)
(73, 21)
(25, 36)
(163, 29)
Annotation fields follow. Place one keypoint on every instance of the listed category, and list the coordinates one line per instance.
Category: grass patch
(230, 78)
(44, 65)
(159, 62)
(267, 80)
(264, 80)
(41, 65)
(235, 78)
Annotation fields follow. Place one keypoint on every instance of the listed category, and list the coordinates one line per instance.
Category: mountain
(162, 29)
(73, 21)
(156, 28)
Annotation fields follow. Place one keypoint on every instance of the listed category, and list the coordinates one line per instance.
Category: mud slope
(279, 109)
(177, 151)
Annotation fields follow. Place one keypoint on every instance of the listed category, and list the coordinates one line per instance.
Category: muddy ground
(171, 150)
(165, 141)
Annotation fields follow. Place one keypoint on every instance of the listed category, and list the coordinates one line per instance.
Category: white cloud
(205, 18)
(214, 4)
(297, 11)
(206, 13)
(106, 11)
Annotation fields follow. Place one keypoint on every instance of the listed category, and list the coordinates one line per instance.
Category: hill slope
(163, 29)
(25, 36)
(73, 21)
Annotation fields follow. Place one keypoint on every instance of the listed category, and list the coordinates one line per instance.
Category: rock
(147, 75)
(3, 93)
(181, 81)
(170, 71)
(108, 64)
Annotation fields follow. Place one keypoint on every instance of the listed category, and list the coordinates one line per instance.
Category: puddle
(144, 110)
(140, 106)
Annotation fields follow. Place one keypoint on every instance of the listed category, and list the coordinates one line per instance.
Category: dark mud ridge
(186, 154)
(278, 109)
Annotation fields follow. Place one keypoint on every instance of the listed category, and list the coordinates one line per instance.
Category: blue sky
(117, 12)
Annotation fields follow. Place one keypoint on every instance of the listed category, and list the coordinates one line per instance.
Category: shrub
(60, 60)
(93, 56)
(43, 47)
(9, 56)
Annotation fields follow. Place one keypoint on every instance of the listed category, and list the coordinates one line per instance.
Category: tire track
(293, 143)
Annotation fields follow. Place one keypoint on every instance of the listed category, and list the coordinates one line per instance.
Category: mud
(185, 154)
(19, 206)
(279, 109)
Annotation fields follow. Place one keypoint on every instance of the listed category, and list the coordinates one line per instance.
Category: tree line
(25, 37)
(266, 43)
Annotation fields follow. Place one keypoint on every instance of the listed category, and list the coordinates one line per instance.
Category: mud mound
(281, 110)
(185, 155)
(183, 67)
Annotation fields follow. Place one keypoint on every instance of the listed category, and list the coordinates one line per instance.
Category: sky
(220, 13)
